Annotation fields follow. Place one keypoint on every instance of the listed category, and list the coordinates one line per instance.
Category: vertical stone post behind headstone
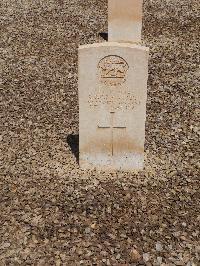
(124, 20)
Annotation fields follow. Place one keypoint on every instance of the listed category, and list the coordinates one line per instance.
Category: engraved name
(115, 102)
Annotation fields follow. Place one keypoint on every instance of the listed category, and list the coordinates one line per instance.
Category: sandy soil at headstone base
(53, 213)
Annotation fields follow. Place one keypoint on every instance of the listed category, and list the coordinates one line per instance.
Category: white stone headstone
(112, 105)
(124, 20)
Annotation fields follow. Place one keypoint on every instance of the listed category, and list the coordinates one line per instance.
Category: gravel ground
(52, 212)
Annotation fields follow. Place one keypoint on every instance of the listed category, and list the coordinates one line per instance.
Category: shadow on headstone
(104, 35)
(73, 142)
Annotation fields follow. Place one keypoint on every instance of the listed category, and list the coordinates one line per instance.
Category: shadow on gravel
(104, 35)
(73, 142)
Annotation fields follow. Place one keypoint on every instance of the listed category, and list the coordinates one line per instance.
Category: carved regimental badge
(113, 70)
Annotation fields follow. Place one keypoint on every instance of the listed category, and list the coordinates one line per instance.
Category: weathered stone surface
(124, 20)
(112, 102)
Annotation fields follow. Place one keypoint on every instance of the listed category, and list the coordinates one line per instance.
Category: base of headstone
(112, 106)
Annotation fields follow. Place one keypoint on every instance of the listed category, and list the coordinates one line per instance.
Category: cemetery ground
(52, 212)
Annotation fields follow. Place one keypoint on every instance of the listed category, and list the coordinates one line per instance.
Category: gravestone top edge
(114, 44)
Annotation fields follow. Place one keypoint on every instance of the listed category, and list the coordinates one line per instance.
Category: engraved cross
(112, 127)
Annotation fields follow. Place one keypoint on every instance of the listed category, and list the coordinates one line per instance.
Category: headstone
(124, 20)
(112, 105)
